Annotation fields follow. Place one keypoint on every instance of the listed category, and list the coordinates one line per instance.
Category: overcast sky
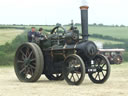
(62, 11)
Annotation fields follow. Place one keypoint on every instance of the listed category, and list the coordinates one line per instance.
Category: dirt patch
(117, 85)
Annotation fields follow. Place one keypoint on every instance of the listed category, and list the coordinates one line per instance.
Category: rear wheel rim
(26, 62)
(29, 62)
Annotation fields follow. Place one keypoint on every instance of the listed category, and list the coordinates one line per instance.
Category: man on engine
(32, 34)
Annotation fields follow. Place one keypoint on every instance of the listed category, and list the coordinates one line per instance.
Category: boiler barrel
(88, 48)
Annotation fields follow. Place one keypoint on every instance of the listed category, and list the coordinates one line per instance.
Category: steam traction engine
(62, 56)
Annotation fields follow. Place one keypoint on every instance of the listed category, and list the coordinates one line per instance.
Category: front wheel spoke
(77, 76)
(96, 75)
(71, 76)
(103, 65)
(74, 78)
(58, 75)
(99, 76)
(103, 74)
(104, 69)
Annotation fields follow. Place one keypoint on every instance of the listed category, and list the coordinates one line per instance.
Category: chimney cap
(84, 7)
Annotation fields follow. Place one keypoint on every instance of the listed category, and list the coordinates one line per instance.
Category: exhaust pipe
(84, 21)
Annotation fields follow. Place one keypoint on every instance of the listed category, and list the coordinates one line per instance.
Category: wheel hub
(99, 69)
(26, 61)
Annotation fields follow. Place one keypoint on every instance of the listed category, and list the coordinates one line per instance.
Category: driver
(32, 34)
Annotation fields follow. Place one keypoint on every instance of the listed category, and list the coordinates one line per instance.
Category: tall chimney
(84, 21)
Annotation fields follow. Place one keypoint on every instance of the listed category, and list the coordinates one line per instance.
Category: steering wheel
(58, 34)
(59, 31)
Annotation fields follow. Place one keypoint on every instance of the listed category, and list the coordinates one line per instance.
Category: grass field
(116, 32)
(7, 35)
(105, 41)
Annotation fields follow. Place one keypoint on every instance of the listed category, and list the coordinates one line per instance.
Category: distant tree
(122, 25)
(94, 24)
(58, 24)
(14, 24)
(116, 25)
(100, 24)
(77, 24)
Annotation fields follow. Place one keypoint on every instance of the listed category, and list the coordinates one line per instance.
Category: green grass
(116, 32)
(105, 41)
(7, 35)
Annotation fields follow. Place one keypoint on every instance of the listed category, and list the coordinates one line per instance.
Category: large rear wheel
(29, 62)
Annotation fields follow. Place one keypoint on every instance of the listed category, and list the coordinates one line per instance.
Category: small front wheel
(74, 70)
(103, 70)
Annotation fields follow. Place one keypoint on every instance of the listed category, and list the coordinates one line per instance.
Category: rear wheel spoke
(34, 59)
(23, 69)
(27, 52)
(32, 71)
(30, 55)
(23, 54)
